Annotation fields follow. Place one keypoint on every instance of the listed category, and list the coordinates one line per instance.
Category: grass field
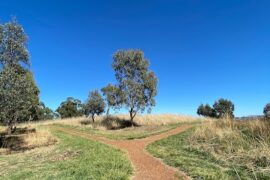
(218, 151)
(146, 125)
(72, 158)
(126, 133)
(56, 155)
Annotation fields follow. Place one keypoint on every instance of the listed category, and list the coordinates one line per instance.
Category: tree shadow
(15, 141)
(115, 123)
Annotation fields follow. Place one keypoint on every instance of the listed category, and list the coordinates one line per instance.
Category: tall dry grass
(244, 143)
(143, 120)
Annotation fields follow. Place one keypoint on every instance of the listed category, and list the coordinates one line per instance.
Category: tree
(44, 113)
(18, 91)
(224, 108)
(70, 108)
(13, 41)
(206, 110)
(18, 96)
(137, 83)
(95, 105)
(266, 111)
(113, 96)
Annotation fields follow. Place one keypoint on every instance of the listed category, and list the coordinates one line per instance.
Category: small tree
(137, 83)
(224, 108)
(18, 96)
(70, 108)
(95, 105)
(113, 96)
(206, 110)
(266, 111)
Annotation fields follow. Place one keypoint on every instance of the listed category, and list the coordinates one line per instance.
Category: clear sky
(201, 50)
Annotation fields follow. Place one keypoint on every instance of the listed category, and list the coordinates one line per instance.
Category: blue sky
(200, 50)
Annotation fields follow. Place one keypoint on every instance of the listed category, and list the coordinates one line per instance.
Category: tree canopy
(113, 96)
(70, 108)
(206, 110)
(136, 82)
(222, 108)
(18, 95)
(95, 104)
(13, 39)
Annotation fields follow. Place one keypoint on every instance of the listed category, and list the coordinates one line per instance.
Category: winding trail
(146, 166)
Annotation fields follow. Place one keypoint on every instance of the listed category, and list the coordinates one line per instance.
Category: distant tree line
(224, 108)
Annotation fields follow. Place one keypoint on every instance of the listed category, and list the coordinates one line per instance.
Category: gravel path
(146, 166)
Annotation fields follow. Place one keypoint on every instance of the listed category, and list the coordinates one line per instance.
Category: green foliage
(113, 96)
(224, 108)
(18, 95)
(18, 92)
(13, 44)
(206, 110)
(44, 113)
(266, 111)
(137, 83)
(95, 104)
(70, 108)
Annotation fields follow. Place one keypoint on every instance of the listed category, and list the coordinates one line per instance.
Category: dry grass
(244, 143)
(22, 141)
(156, 119)
(39, 139)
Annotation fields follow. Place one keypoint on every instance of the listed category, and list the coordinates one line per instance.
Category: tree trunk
(108, 111)
(132, 115)
(93, 118)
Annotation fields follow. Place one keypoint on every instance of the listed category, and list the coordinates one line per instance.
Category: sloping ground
(72, 157)
(146, 166)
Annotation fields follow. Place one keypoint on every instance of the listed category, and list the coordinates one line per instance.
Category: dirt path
(146, 166)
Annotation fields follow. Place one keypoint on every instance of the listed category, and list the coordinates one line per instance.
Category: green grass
(127, 133)
(176, 151)
(72, 158)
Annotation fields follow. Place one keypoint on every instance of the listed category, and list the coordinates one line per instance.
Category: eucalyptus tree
(95, 105)
(18, 91)
(206, 111)
(18, 96)
(224, 108)
(136, 82)
(113, 97)
(70, 108)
